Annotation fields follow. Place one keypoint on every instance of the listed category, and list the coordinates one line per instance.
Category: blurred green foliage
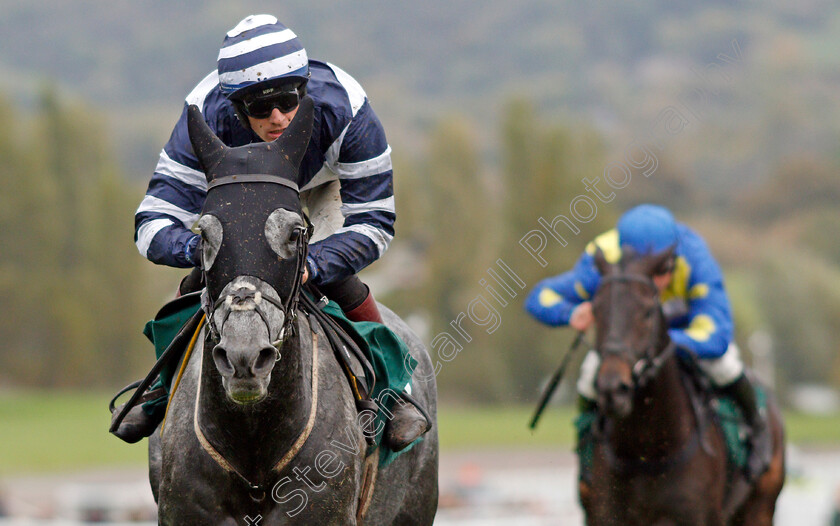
(611, 64)
(76, 293)
(776, 240)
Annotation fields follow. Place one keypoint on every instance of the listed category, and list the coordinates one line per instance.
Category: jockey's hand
(193, 251)
(305, 275)
(582, 318)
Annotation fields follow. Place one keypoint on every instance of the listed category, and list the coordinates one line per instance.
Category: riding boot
(366, 311)
(354, 298)
(407, 424)
(760, 437)
(142, 419)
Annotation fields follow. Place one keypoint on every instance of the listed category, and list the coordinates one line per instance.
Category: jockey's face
(273, 126)
(662, 281)
(664, 273)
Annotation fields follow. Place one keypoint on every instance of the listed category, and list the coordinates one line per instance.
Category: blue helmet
(260, 50)
(648, 229)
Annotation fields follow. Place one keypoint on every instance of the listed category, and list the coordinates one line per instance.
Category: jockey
(694, 302)
(345, 176)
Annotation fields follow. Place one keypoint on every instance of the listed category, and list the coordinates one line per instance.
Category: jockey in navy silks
(694, 301)
(345, 177)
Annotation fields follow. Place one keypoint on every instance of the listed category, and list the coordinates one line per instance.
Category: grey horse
(263, 426)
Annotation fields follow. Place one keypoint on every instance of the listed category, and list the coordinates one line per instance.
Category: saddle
(724, 410)
(709, 405)
(372, 362)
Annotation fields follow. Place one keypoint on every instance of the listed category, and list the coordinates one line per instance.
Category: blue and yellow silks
(707, 329)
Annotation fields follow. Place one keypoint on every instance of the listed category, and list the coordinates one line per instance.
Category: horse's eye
(282, 231)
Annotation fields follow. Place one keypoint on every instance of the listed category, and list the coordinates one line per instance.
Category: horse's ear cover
(295, 139)
(207, 146)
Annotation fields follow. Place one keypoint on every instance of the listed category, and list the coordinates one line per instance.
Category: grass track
(58, 431)
(64, 431)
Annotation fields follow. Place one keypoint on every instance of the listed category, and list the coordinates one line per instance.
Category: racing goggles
(260, 105)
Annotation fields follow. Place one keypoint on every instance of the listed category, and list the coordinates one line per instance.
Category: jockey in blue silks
(346, 177)
(694, 301)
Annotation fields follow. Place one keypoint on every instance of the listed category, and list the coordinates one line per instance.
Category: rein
(644, 370)
(258, 491)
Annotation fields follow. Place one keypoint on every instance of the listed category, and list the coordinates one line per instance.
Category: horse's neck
(256, 437)
(662, 419)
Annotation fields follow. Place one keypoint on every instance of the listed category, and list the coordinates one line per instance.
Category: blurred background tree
(77, 293)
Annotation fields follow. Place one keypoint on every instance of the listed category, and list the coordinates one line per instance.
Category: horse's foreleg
(585, 496)
(155, 463)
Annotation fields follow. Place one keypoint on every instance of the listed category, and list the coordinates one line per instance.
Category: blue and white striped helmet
(257, 50)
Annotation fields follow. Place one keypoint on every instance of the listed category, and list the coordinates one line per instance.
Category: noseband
(647, 367)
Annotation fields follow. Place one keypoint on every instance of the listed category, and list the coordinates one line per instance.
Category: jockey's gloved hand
(311, 269)
(193, 250)
(675, 308)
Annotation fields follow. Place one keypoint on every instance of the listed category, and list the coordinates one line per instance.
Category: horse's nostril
(624, 388)
(265, 360)
(220, 357)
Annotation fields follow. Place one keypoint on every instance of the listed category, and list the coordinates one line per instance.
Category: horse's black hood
(245, 185)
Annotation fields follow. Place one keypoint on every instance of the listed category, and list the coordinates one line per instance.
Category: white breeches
(722, 371)
(323, 205)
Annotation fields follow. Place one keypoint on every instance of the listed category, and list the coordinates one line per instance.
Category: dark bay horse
(660, 458)
(263, 427)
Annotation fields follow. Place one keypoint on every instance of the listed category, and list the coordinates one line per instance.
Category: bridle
(647, 367)
(244, 294)
(644, 370)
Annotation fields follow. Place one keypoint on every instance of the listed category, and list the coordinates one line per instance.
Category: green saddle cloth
(734, 427)
(392, 364)
(161, 331)
(728, 414)
(387, 353)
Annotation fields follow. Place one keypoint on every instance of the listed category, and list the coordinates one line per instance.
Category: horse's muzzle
(245, 374)
(615, 388)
